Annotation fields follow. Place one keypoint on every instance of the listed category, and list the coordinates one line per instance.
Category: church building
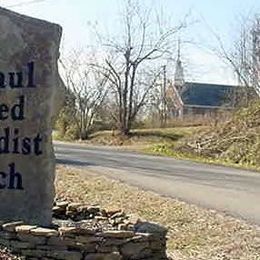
(193, 98)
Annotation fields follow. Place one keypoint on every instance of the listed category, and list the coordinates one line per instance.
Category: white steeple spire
(179, 75)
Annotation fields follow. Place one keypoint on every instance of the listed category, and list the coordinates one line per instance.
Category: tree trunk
(124, 129)
(83, 134)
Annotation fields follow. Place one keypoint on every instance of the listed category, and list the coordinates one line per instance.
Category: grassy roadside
(142, 140)
(194, 233)
(169, 151)
(159, 142)
(142, 137)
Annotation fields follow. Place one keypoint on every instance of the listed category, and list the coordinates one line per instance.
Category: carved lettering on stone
(29, 85)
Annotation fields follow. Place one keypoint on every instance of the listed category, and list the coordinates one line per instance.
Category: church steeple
(179, 75)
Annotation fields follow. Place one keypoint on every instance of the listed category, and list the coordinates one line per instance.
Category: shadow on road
(73, 162)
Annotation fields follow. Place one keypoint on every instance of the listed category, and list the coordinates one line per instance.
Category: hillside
(236, 141)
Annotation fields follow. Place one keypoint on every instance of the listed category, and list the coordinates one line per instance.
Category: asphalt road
(234, 191)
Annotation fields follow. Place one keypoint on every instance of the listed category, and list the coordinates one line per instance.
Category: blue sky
(220, 15)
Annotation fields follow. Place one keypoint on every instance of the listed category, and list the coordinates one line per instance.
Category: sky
(200, 64)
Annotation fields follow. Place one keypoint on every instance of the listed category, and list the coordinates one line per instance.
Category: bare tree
(246, 54)
(88, 86)
(134, 61)
(244, 58)
(158, 105)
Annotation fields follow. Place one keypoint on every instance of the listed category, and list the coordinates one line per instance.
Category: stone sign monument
(29, 85)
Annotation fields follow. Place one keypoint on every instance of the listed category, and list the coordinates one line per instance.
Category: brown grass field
(194, 232)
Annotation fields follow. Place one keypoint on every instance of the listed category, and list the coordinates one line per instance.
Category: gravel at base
(6, 255)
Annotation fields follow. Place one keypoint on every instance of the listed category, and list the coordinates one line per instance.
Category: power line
(25, 3)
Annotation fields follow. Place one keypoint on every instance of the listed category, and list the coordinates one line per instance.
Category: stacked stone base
(145, 241)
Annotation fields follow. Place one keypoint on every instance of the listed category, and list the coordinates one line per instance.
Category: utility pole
(163, 97)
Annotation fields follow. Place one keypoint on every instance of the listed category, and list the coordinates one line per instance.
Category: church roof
(204, 94)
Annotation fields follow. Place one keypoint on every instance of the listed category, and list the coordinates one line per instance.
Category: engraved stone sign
(29, 85)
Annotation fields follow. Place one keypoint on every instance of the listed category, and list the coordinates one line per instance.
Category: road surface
(234, 191)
